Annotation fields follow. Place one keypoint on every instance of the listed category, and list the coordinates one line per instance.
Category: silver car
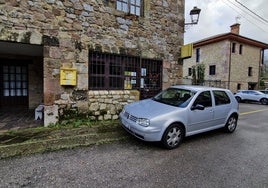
(251, 95)
(180, 111)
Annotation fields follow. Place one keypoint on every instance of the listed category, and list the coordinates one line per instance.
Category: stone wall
(96, 105)
(68, 30)
(35, 83)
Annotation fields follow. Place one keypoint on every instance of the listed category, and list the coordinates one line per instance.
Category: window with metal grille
(117, 72)
(129, 6)
(15, 81)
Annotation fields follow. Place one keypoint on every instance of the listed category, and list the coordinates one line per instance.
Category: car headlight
(143, 122)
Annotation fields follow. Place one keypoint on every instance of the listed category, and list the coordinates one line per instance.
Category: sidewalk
(38, 140)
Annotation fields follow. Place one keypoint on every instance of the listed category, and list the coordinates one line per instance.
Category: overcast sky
(217, 16)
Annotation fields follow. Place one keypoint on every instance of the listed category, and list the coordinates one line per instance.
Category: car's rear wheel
(231, 124)
(238, 99)
(264, 101)
(173, 136)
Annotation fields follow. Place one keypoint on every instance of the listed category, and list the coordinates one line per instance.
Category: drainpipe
(230, 64)
(261, 63)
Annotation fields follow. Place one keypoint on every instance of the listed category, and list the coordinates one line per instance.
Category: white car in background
(251, 95)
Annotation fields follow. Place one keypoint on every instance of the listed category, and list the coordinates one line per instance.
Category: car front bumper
(149, 133)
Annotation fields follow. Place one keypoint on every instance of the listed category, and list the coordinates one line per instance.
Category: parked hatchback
(251, 95)
(180, 111)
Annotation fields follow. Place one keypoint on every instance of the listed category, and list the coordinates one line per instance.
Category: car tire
(231, 124)
(264, 101)
(173, 136)
(238, 99)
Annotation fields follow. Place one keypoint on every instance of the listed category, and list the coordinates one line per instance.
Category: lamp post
(194, 13)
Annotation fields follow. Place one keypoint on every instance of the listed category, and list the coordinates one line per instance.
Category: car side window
(221, 98)
(204, 99)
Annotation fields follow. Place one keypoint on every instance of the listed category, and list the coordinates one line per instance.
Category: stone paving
(18, 119)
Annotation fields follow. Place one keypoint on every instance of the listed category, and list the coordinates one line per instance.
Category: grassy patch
(67, 129)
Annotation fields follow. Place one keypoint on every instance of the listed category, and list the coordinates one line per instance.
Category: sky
(217, 16)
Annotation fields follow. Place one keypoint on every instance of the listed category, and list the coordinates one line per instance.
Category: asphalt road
(213, 159)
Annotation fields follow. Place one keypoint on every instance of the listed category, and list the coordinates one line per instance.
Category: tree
(198, 74)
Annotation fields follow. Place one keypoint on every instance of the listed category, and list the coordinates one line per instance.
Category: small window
(198, 55)
(233, 47)
(240, 49)
(212, 69)
(221, 98)
(129, 6)
(189, 71)
(238, 86)
(250, 71)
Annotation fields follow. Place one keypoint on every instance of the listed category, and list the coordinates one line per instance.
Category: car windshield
(175, 97)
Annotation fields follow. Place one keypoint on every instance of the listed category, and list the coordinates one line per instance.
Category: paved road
(214, 159)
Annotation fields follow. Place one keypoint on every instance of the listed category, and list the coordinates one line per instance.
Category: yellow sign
(68, 76)
(187, 51)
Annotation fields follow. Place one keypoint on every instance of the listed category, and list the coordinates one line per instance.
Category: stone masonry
(96, 105)
(67, 30)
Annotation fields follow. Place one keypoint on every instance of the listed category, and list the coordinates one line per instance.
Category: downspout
(230, 63)
(261, 63)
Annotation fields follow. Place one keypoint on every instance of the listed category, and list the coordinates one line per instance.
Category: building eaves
(231, 37)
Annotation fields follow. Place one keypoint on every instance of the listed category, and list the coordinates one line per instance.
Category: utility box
(68, 76)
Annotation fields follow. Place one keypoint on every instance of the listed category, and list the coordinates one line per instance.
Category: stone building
(231, 61)
(87, 56)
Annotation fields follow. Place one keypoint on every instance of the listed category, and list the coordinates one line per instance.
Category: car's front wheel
(264, 101)
(231, 124)
(173, 136)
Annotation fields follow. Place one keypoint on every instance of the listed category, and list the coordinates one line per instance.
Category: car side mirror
(198, 107)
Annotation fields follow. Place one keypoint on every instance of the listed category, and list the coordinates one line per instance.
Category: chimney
(235, 28)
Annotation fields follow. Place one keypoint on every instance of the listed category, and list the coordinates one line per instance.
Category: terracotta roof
(232, 37)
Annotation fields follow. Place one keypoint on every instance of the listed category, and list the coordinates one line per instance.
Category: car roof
(196, 87)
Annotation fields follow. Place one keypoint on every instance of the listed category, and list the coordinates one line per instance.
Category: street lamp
(194, 13)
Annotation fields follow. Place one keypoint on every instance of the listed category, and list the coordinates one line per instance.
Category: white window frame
(130, 6)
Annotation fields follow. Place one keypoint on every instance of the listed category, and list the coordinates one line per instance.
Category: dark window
(250, 71)
(15, 81)
(238, 86)
(221, 98)
(112, 71)
(233, 47)
(129, 6)
(204, 99)
(240, 49)
(189, 71)
(212, 69)
(197, 54)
